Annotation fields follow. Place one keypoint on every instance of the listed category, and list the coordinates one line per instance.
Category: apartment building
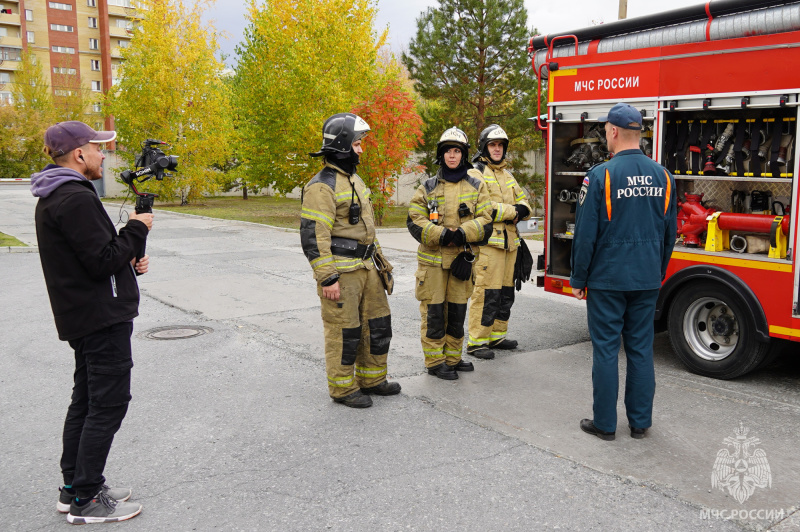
(76, 42)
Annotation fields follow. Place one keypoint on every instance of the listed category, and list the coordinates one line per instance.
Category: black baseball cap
(64, 137)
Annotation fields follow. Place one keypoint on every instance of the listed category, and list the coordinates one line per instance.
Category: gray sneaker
(66, 495)
(102, 509)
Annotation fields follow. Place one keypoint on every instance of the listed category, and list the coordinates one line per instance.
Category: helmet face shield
(340, 131)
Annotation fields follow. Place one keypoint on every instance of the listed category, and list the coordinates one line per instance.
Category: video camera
(152, 162)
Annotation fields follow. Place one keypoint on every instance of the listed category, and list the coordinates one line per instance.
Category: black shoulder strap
(694, 146)
(669, 147)
(683, 133)
(738, 144)
(777, 135)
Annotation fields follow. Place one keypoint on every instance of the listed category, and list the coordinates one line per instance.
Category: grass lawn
(533, 236)
(8, 240)
(280, 212)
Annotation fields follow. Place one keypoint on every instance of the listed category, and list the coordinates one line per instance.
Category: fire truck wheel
(713, 332)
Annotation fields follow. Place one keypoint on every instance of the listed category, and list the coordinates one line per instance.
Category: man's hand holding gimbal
(141, 266)
(146, 218)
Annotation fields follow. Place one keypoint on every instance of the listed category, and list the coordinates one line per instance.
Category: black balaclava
(457, 174)
(346, 161)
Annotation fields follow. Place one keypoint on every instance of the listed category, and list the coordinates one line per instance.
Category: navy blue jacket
(625, 226)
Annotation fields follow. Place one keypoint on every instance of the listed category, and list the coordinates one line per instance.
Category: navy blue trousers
(630, 315)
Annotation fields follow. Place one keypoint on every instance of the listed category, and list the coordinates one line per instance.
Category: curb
(277, 228)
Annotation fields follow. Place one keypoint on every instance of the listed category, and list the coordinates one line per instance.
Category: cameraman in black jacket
(90, 273)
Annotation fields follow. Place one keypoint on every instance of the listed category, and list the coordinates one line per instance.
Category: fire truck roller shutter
(731, 19)
(716, 325)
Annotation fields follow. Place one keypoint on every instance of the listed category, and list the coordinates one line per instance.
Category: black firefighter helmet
(452, 138)
(339, 132)
(490, 134)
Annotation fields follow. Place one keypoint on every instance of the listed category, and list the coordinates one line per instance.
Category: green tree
(25, 119)
(300, 62)
(172, 88)
(469, 61)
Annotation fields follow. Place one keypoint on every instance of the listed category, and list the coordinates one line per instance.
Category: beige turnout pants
(358, 330)
(443, 308)
(490, 305)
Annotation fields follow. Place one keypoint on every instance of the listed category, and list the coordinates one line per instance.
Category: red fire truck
(718, 85)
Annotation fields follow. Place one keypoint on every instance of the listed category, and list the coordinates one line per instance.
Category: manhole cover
(176, 332)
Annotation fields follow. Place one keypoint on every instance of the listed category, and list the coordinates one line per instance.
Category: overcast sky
(400, 16)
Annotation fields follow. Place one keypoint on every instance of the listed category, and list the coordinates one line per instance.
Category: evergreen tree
(469, 61)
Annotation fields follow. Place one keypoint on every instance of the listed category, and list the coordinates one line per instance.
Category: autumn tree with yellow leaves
(300, 62)
(25, 119)
(172, 89)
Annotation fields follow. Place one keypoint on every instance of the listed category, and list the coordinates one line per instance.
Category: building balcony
(11, 41)
(127, 12)
(119, 32)
(9, 20)
(9, 65)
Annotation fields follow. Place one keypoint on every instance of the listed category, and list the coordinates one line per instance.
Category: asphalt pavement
(232, 429)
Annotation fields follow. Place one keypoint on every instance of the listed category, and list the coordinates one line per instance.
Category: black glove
(459, 238)
(447, 237)
(522, 212)
(523, 265)
(461, 268)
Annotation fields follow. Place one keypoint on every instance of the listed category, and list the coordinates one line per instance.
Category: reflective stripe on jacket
(505, 192)
(470, 191)
(326, 206)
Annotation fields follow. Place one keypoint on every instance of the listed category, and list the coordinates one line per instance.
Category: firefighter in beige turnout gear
(490, 305)
(337, 232)
(447, 213)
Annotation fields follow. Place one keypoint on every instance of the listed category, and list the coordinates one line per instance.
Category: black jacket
(86, 265)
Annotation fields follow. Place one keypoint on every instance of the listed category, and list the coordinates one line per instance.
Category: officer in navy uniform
(625, 230)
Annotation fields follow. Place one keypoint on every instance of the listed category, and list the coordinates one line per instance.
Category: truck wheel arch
(716, 274)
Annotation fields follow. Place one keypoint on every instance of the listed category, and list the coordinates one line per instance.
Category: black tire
(713, 331)
(777, 347)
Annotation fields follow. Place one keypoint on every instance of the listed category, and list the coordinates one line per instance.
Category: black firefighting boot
(443, 371)
(480, 351)
(504, 343)
(384, 388)
(355, 400)
(463, 365)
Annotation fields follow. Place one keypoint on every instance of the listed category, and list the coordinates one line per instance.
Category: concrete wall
(112, 166)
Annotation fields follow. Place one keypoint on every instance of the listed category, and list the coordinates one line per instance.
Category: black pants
(100, 400)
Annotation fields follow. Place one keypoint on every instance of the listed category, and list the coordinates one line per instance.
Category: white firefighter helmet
(490, 134)
(452, 138)
(340, 131)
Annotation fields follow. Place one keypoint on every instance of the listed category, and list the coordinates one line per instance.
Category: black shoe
(384, 388)
(504, 343)
(587, 426)
(637, 433)
(480, 351)
(443, 371)
(463, 365)
(355, 400)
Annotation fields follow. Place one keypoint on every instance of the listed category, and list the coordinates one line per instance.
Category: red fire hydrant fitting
(692, 219)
